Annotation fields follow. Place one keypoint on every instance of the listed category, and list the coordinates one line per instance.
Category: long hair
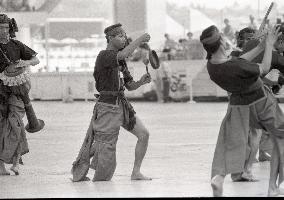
(210, 48)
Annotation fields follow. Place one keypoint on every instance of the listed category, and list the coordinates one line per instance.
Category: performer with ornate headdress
(113, 110)
(15, 57)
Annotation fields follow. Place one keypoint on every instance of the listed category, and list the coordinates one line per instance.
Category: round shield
(12, 70)
(154, 60)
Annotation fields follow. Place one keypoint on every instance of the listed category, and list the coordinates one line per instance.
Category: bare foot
(139, 177)
(273, 192)
(83, 179)
(281, 191)
(217, 185)
(15, 169)
(236, 177)
(247, 176)
(4, 172)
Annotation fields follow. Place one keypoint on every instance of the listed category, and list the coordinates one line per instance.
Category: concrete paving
(179, 156)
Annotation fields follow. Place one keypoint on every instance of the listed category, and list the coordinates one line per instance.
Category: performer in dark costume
(277, 63)
(251, 104)
(113, 110)
(14, 100)
(258, 138)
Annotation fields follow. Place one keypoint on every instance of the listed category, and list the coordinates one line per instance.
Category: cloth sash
(81, 165)
(128, 111)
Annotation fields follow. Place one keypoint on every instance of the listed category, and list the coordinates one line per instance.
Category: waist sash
(128, 111)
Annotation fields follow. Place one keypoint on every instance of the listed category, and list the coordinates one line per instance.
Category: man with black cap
(113, 110)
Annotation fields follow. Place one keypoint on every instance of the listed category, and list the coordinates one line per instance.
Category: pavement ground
(179, 156)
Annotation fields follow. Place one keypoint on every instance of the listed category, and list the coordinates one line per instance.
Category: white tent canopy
(174, 29)
(198, 22)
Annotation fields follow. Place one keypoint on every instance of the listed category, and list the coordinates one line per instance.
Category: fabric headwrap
(212, 39)
(114, 30)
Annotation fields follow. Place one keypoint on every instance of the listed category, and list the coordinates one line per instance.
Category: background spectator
(228, 30)
(252, 24)
(170, 47)
(189, 36)
(16, 5)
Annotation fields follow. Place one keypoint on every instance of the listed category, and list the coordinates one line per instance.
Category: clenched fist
(22, 63)
(145, 37)
(146, 61)
(146, 78)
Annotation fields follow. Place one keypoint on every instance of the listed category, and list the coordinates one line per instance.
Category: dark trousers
(166, 89)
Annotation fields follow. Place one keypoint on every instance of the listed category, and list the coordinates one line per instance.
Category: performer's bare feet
(139, 177)
(4, 172)
(273, 192)
(247, 176)
(217, 185)
(15, 169)
(281, 191)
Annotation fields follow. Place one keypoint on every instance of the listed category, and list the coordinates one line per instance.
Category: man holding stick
(251, 105)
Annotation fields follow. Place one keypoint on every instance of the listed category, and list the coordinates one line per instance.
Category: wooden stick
(259, 33)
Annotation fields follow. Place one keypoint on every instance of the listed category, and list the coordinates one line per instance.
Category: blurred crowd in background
(15, 5)
(72, 45)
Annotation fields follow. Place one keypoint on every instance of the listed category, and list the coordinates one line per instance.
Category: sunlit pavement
(179, 156)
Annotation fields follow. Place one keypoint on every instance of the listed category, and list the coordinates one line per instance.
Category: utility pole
(47, 44)
(258, 8)
(115, 15)
(189, 19)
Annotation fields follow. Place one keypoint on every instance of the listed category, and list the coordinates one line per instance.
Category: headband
(212, 39)
(114, 30)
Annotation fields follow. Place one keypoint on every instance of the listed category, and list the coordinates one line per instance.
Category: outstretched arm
(33, 61)
(133, 85)
(129, 49)
(24, 63)
(269, 42)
